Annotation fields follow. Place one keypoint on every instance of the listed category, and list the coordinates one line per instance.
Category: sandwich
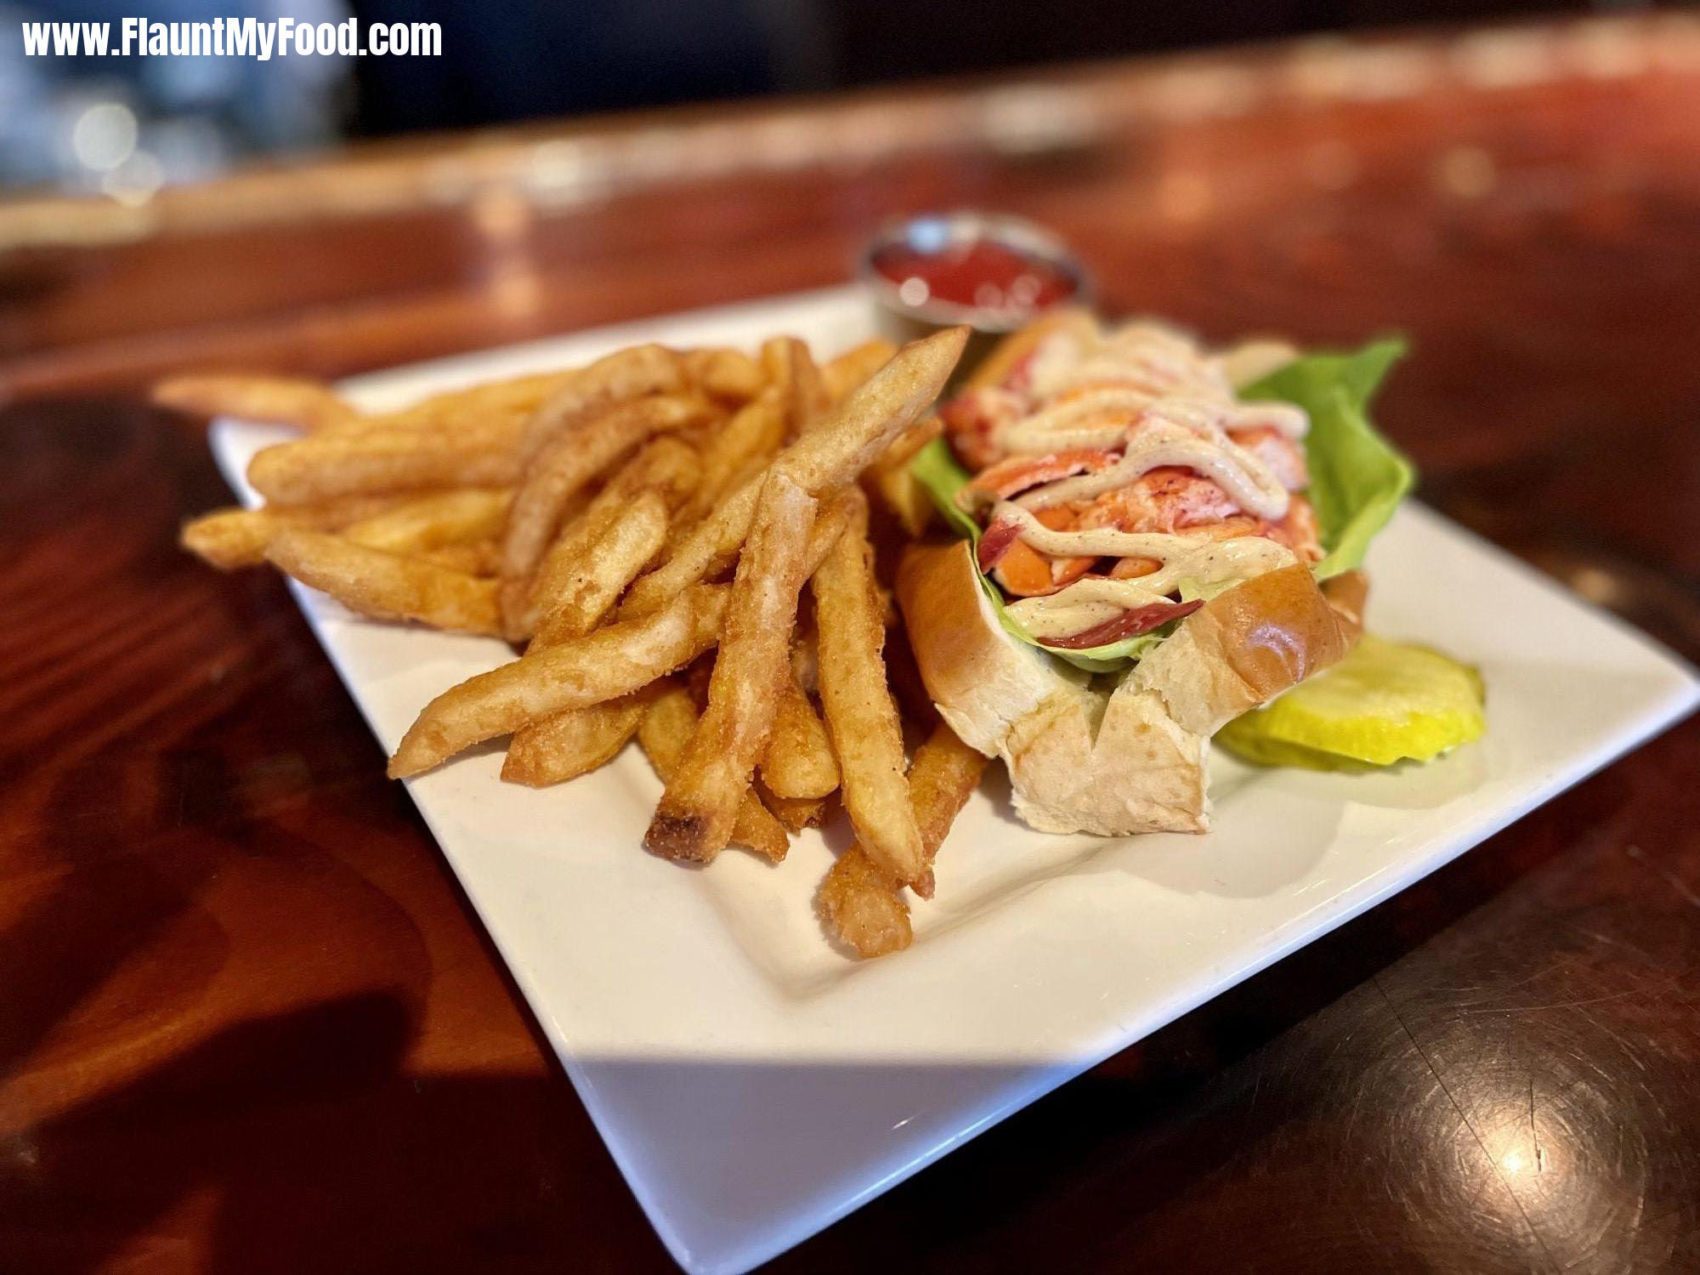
(1153, 540)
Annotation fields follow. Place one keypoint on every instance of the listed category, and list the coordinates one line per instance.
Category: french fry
(274, 400)
(695, 817)
(232, 538)
(796, 813)
(475, 558)
(774, 358)
(647, 592)
(338, 463)
(566, 465)
(861, 905)
(706, 550)
(845, 442)
(538, 508)
(899, 491)
(798, 761)
(665, 732)
(943, 776)
(844, 373)
(573, 743)
(866, 735)
(860, 428)
(604, 665)
(902, 496)
(725, 374)
(626, 374)
(385, 585)
(624, 549)
(809, 399)
(909, 442)
(666, 465)
(753, 435)
(836, 512)
(791, 369)
(430, 522)
(517, 396)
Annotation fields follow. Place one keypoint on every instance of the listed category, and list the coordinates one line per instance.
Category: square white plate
(753, 1084)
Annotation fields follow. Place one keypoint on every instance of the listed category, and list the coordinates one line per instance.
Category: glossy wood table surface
(247, 1021)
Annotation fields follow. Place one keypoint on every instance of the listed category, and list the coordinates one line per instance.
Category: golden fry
(430, 522)
(274, 400)
(901, 495)
(385, 585)
(944, 775)
(860, 428)
(708, 549)
(387, 460)
(845, 442)
(793, 372)
(877, 413)
(624, 375)
(695, 817)
(752, 436)
(665, 732)
(632, 512)
(475, 557)
(862, 908)
(232, 538)
(796, 813)
(909, 442)
(888, 479)
(453, 409)
(569, 463)
(809, 399)
(572, 743)
(861, 905)
(836, 513)
(798, 761)
(842, 374)
(613, 561)
(603, 665)
(539, 506)
(725, 374)
(667, 465)
(860, 714)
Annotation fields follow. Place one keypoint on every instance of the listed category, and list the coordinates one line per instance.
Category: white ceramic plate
(753, 1084)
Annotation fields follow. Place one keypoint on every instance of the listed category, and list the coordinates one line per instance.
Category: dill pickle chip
(1383, 703)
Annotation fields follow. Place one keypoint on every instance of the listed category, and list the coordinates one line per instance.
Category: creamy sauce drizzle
(1155, 392)
(1095, 599)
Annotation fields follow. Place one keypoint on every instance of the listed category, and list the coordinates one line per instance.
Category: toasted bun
(1245, 647)
(1131, 758)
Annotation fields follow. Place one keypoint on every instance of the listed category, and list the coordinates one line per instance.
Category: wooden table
(247, 1021)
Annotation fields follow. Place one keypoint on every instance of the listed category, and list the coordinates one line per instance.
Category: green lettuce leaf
(1357, 479)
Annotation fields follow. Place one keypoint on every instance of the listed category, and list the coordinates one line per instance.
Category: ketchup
(982, 274)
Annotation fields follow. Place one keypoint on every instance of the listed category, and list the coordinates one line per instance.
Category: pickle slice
(1383, 703)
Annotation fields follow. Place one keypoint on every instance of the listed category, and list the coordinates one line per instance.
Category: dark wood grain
(247, 1022)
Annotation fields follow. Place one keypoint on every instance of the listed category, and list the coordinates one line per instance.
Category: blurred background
(125, 126)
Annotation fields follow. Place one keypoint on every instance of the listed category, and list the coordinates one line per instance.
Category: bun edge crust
(1128, 758)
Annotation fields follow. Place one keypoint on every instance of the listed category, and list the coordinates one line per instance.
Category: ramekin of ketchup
(991, 271)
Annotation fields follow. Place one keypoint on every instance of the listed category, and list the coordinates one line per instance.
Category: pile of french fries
(681, 546)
